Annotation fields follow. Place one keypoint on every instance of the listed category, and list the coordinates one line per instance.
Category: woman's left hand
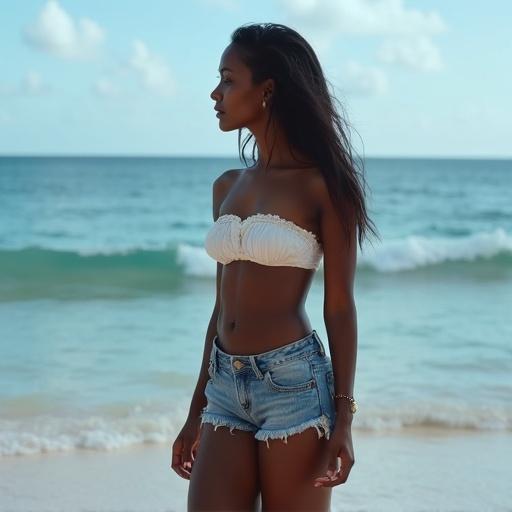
(341, 457)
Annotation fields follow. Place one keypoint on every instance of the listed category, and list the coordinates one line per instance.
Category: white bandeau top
(263, 238)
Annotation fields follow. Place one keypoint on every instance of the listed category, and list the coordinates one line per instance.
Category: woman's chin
(226, 127)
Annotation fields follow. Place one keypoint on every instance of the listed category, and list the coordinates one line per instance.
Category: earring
(264, 104)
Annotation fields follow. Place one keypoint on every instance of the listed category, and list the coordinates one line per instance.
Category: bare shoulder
(221, 186)
(318, 192)
(228, 177)
(225, 181)
(317, 185)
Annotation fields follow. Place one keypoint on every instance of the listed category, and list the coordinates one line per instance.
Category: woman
(265, 373)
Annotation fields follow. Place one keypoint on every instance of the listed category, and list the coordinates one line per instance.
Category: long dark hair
(304, 109)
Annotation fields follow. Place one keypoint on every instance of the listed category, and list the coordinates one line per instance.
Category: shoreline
(392, 472)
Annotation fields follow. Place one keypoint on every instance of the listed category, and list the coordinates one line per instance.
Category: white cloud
(364, 80)
(151, 69)
(55, 32)
(408, 32)
(363, 17)
(418, 53)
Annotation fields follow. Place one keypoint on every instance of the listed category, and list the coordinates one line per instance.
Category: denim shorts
(273, 394)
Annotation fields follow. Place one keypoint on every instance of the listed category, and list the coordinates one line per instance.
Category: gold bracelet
(353, 404)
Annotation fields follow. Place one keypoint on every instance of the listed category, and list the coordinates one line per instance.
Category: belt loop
(319, 341)
(255, 367)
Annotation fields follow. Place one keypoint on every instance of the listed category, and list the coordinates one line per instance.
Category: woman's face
(235, 95)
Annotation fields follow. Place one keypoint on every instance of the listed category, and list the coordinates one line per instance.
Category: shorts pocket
(291, 376)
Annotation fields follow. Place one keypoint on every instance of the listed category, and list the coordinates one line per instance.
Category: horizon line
(157, 155)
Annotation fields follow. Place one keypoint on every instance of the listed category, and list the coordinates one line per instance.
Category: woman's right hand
(185, 447)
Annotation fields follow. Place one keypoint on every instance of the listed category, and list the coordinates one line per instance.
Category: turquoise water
(106, 292)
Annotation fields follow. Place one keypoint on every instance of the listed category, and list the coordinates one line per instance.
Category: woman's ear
(268, 87)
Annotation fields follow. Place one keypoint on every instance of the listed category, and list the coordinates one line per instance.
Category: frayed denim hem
(225, 421)
(322, 421)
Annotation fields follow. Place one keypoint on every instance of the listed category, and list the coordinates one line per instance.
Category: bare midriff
(262, 307)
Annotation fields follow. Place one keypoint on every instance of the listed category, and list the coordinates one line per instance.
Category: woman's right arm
(220, 189)
(199, 398)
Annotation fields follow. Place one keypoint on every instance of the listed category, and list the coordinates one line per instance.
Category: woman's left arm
(340, 316)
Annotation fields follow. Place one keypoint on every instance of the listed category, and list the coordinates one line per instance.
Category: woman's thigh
(225, 472)
(297, 414)
(287, 472)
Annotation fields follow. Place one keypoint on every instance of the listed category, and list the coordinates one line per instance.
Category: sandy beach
(418, 471)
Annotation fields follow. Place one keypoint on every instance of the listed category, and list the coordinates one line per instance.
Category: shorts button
(238, 364)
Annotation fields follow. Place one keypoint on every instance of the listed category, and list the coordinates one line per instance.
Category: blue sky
(90, 77)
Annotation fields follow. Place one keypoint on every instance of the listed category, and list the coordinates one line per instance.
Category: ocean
(106, 292)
